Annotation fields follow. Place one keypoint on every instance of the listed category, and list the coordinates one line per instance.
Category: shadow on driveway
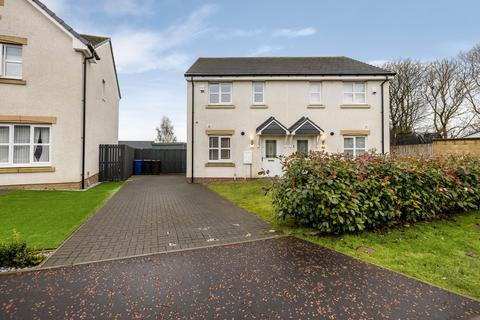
(278, 278)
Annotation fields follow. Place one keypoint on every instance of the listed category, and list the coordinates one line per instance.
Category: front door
(272, 149)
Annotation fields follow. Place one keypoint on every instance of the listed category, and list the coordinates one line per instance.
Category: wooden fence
(115, 162)
(440, 147)
(171, 161)
(412, 150)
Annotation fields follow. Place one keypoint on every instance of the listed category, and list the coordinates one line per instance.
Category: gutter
(193, 129)
(95, 56)
(383, 113)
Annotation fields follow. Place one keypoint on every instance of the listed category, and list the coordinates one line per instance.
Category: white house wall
(287, 101)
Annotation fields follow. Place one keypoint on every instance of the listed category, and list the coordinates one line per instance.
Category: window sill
(355, 106)
(27, 169)
(220, 165)
(220, 106)
(316, 106)
(258, 106)
(13, 81)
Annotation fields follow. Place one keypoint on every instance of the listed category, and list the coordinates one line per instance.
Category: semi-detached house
(244, 113)
(59, 99)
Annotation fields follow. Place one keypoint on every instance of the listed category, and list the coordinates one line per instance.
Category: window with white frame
(315, 93)
(354, 146)
(259, 93)
(219, 148)
(24, 145)
(220, 93)
(355, 92)
(11, 61)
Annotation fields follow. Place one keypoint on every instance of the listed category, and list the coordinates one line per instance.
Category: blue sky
(155, 41)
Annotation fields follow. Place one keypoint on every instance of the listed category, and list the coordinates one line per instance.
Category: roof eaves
(61, 22)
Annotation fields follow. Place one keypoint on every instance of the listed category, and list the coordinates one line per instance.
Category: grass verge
(44, 219)
(445, 253)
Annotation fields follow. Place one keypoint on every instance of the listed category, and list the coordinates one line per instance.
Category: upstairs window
(355, 92)
(258, 93)
(219, 148)
(220, 93)
(11, 61)
(315, 93)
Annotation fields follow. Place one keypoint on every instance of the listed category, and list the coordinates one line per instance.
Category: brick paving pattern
(152, 214)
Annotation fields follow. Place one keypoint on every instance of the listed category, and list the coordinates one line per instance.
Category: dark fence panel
(115, 162)
(172, 161)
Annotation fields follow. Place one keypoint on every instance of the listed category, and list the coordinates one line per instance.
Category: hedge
(338, 194)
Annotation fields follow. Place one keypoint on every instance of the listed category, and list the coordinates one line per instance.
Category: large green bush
(337, 194)
(16, 254)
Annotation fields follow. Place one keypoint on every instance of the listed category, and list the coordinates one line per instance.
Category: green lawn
(46, 218)
(436, 252)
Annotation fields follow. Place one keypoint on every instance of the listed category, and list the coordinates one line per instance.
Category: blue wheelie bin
(138, 166)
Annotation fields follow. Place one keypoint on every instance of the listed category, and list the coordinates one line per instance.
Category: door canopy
(305, 127)
(272, 127)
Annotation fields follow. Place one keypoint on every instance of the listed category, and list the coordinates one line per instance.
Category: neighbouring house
(59, 99)
(244, 113)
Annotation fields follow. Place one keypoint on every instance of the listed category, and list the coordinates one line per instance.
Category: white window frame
(258, 92)
(219, 148)
(355, 148)
(319, 92)
(8, 144)
(31, 144)
(353, 92)
(220, 92)
(4, 61)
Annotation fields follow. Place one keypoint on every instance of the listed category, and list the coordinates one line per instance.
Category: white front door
(272, 149)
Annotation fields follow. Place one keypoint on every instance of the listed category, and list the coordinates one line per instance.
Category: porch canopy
(272, 127)
(305, 127)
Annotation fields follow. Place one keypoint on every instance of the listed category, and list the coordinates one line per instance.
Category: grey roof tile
(286, 66)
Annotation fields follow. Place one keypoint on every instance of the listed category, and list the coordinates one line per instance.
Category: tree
(446, 95)
(165, 132)
(407, 105)
(471, 67)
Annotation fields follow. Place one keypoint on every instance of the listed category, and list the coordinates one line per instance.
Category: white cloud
(263, 50)
(239, 33)
(295, 33)
(377, 63)
(145, 50)
(57, 6)
(128, 7)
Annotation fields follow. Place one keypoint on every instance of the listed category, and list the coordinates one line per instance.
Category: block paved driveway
(152, 214)
(283, 278)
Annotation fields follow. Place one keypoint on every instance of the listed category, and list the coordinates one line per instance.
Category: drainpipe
(383, 113)
(84, 115)
(193, 130)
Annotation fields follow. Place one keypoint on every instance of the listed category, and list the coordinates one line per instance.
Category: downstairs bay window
(24, 145)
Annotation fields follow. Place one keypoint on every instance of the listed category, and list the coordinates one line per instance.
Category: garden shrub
(16, 254)
(337, 194)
